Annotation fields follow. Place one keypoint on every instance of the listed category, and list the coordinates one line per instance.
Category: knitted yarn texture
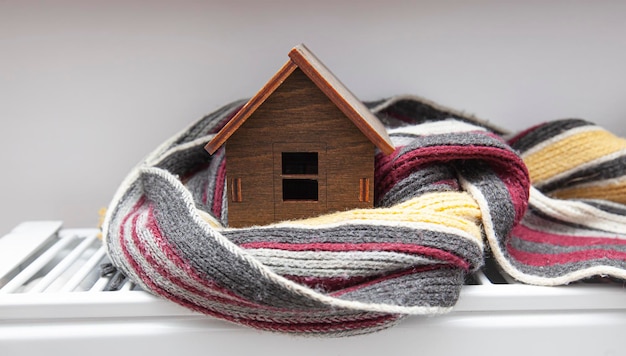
(453, 183)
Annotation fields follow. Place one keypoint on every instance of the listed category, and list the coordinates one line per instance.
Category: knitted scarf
(452, 184)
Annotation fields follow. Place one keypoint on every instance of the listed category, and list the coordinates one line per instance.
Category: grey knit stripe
(418, 183)
(606, 170)
(184, 162)
(558, 270)
(545, 132)
(501, 209)
(435, 287)
(549, 219)
(537, 220)
(454, 139)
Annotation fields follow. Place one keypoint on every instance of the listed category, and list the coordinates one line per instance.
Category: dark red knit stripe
(525, 233)
(441, 255)
(544, 260)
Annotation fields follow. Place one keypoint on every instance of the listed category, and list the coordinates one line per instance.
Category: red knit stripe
(543, 260)
(525, 233)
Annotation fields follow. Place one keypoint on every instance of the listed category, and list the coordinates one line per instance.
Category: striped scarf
(452, 184)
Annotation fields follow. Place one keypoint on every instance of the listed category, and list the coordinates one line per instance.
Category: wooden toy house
(301, 147)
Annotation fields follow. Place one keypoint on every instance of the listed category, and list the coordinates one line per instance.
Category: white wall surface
(87, 88)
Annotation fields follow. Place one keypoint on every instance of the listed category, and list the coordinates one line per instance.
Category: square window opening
(300, 189)
(300, 162)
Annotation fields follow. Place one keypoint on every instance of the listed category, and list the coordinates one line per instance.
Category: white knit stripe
(562, 136)
(538, 223)
(435, 128)
(577, 212)
(274, 277)
(330, 264)
(503, 259)
(587, 165)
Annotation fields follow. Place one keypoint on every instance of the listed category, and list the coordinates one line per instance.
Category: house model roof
(316, 71)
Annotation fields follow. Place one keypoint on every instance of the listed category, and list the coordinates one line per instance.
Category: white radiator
(52, 302)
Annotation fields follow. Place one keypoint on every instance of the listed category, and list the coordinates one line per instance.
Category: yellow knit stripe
(456, 210)
(571, 152)
(612, 192)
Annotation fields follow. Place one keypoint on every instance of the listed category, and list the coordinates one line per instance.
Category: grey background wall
(87, 88)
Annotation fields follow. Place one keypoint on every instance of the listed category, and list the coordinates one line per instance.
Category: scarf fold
(452, 183)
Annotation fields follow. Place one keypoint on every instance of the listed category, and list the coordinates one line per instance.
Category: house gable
(316, 71)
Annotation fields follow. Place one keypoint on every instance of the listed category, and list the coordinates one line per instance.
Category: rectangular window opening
(300, 162)
(300, 189)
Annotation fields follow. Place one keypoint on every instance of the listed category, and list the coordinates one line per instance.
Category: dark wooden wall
(297, 112)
